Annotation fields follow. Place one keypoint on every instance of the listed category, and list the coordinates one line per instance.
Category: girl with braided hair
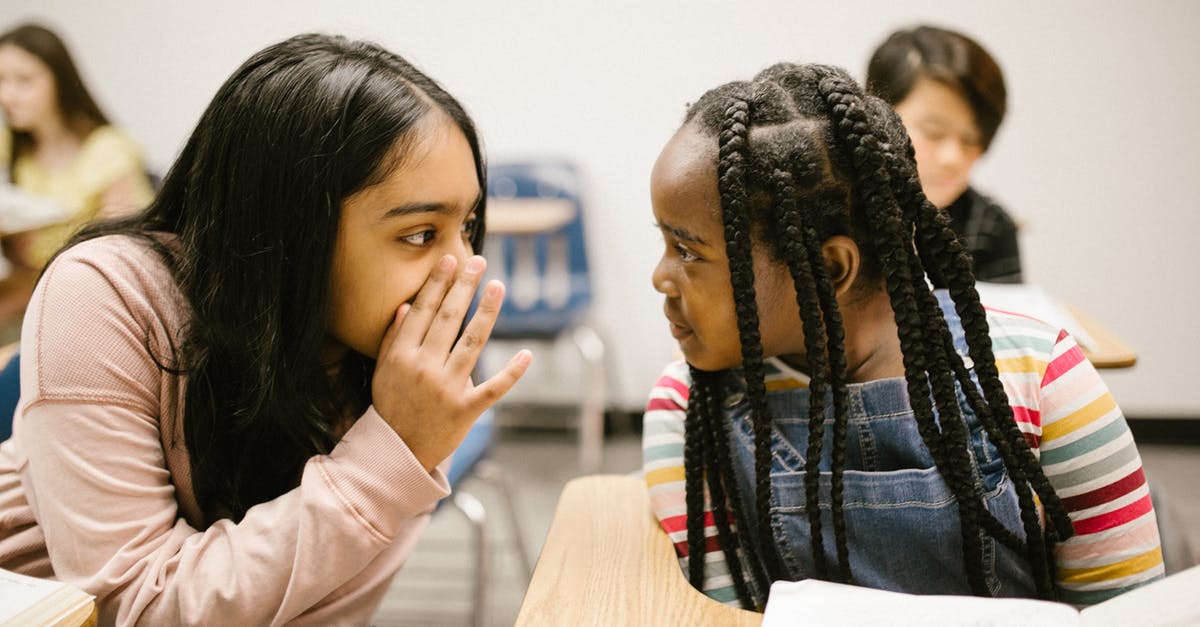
(835, 417)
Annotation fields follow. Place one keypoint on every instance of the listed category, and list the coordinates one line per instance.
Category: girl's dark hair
(803, 154)
(947, 57)
(78, 109)
(254, 200)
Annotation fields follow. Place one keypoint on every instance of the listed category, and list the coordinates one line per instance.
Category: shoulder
(109, 139)
(122, 261)
(103, 313)
(988, 208)
(1018, 329)
(670, 391)
(1026, 350)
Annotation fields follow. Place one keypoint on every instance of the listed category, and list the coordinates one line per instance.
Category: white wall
(1096, 159)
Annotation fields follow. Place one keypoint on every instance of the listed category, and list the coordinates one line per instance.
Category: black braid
(731, 182)
(946, 439)
(835, 337)
(719, 474)
(824, 339)
(946, 251)
(693, 473)
(815, 347)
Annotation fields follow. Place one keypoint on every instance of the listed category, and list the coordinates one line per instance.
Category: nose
(662, 280)
(461, 248)
(951, 152)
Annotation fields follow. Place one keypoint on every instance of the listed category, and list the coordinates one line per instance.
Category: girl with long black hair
(234, 404)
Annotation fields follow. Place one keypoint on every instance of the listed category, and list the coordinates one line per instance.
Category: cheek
(364, 303)
(922, 149)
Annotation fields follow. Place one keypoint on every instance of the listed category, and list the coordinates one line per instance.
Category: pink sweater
(95, 486)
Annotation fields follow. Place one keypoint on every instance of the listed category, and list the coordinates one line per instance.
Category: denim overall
(902, 521)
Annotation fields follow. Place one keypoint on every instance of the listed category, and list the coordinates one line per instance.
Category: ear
(842, 261)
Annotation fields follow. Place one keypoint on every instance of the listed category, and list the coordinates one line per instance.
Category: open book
(1170, 602)
(22, 211)
(29, 601)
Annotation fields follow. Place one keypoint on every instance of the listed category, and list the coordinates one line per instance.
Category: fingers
(426, 303)
(393, 330)
(487, 393)
(448, 320)
(468, 348)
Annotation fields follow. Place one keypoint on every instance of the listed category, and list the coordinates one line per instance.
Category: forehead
(684, 178)
(934, 99)
(14, 57)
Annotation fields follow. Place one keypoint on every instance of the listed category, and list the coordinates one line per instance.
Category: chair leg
(473, 510)
(490, 472)
(591, 416)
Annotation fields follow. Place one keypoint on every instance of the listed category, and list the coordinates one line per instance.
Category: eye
(419, 239)
(685, 254)
(470, 226)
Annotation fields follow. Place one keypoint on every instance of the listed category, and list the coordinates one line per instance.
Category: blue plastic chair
(470, 460)
(537, 245)
(10, 393)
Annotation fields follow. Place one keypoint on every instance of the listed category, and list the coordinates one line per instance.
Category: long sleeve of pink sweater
(99, 453)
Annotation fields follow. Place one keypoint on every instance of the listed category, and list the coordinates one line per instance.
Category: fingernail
(475, 264)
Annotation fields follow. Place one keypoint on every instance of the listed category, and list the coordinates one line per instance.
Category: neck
(872, 339)
(54, 144)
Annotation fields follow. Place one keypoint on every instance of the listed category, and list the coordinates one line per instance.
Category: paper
(815, 602)
(1169, 602)
(22, 211)
(19, 592)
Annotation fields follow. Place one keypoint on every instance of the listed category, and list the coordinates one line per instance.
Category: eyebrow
(412, 208)
(681, 233)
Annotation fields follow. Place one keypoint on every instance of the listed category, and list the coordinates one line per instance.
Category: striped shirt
(1060, 404)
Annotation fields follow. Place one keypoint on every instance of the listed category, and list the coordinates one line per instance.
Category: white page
(19, 592)
(815, 602)
(22, 211)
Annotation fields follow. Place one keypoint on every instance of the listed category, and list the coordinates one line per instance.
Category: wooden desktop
(607, 562)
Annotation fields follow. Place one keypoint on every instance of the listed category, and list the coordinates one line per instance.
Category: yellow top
(106, 157)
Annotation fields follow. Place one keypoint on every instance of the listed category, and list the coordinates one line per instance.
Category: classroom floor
(433, 589)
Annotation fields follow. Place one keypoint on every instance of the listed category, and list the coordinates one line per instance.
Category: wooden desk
(607, 562)
(527, 216)
(1110, 351)
(1107, 350)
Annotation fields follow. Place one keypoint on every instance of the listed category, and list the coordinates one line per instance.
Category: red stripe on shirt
(1027, 415)
(663, 403)
(1062, 364)
(712, 544)
(674, 384)
(1104, 494)
(1115, 518)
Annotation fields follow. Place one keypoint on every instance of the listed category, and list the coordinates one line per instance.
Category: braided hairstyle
(804, 155)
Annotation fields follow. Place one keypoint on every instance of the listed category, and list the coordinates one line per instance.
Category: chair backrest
(536, 245)
(473, 448)
(10, 393)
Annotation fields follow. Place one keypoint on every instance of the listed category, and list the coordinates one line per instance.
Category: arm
(103, 496)
(662, 453)
(106, 475)
(1088, 453)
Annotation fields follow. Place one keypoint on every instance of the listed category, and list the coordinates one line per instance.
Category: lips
(678, 331)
